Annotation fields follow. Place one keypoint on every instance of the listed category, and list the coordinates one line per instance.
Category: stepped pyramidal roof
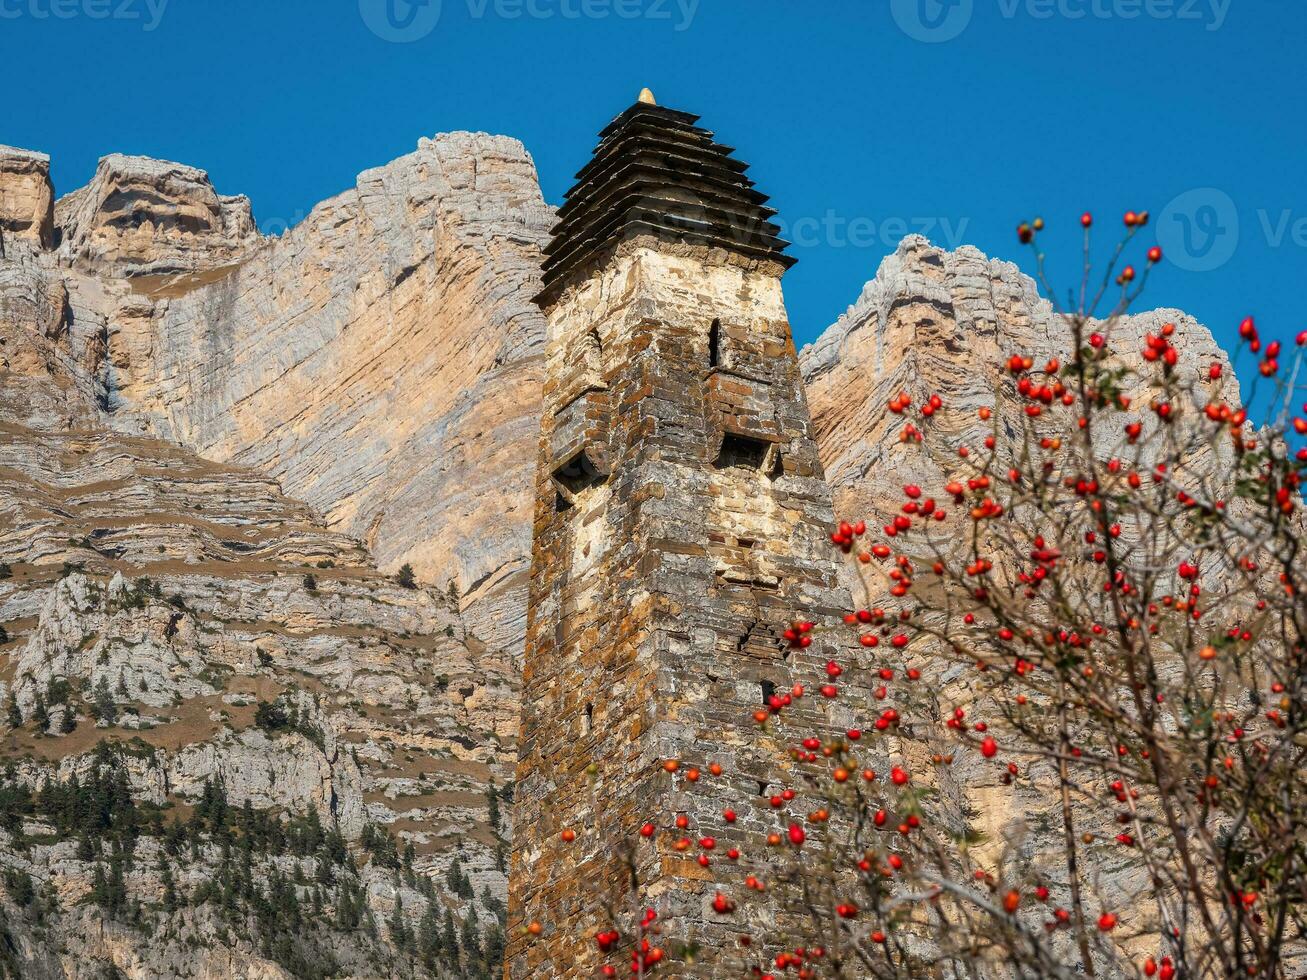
(655, 171)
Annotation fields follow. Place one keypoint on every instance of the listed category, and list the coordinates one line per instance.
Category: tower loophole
(742, 451)
(578, 474)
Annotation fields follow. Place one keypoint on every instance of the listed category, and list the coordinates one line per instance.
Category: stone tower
(681, 524)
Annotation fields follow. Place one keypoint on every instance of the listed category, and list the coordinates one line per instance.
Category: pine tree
(169, 886)
(39, 715)
(68, 723)
(117, 883)
(100, 888)
(454, 876)
(103, 707)
(494, 950)
(493, 904)
(470, 940)
(344, 909)
(492, 799)
(430, 945)
(449, 938)
(19, 886)
(12, 712)
(406, 577)
(399, 933)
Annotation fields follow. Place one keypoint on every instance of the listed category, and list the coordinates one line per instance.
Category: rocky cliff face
(939, 322)
(26, 196)
(381, 360)
(140, 216)
(178, 635)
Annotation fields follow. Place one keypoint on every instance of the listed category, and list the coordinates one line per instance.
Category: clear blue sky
(851, 120)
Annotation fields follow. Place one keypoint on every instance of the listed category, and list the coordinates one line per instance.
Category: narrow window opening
(588, 719)
(715, 344)
(746, 543)
(768, 689)
(738, 450)
(578, 474)
(762, 788)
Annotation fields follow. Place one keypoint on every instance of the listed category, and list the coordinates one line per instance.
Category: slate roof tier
(656, 172)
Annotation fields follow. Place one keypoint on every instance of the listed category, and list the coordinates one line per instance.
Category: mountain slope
(297, 745)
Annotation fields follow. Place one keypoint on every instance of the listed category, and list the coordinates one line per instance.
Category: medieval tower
(681, 524)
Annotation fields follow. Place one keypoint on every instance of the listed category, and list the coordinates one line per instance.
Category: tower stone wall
(681, 524)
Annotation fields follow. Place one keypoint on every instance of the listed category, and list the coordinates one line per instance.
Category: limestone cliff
(381, 360)
(935, 321)
(943, 322)
(302, 753)
(140, 216)
(26, 196)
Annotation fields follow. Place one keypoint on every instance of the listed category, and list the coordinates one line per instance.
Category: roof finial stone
(647, 97)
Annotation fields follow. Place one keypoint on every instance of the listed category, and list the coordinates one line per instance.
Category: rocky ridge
(381, 360)
(26, 196)
(205, 631)
(140, 216)
(943, 322)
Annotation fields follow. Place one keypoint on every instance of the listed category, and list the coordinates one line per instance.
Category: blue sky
(862, 118)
